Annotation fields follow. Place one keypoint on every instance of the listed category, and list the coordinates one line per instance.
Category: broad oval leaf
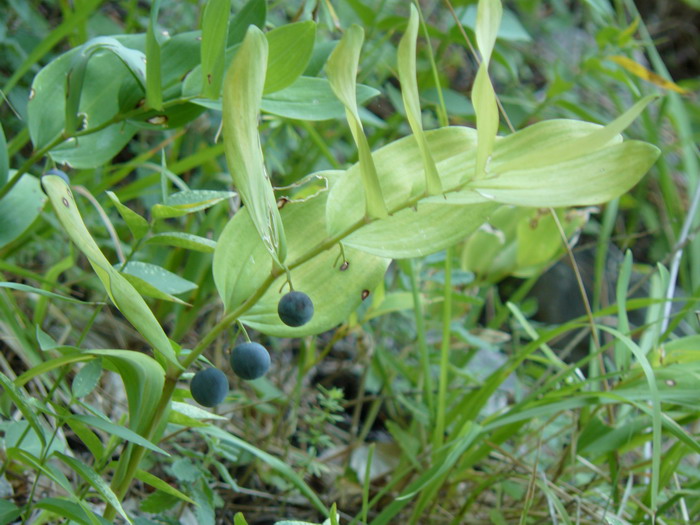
(214, 36)
(290, 48)
(591, 179)
(430, 227)
(311, 99)
(99, 102)
(20, 208)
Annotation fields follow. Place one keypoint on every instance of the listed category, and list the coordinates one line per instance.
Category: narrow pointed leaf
(565, 150)
(161, 485)
(188, 241)
(184, 202)
(143, 380)
(591, 179)
(341, 69)
(488, 19)
(214, 35)
(88, 474)
(4, 159)
(241, 106)
(79, 512)
(118, 430)
(121, 292)
(31, 289)
(154, 93)
(137, 225)
(23, 403)
(290, 49)
(411, 101)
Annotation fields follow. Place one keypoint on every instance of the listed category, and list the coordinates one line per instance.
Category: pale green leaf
(214, 36)
(190, 201)
(143, 380)
(488, 19)
(20, 208)
(243, 89)
(241, 266)
(401, 174)
(241, 263)
(188, 241)
(563, 150)
(121, 292)
(290, 48)
(341, 69)
(409, 93)
(154, 91)
(591, 179)
(137, 225)
(431, 227)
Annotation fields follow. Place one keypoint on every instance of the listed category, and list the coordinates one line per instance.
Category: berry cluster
(249, 360)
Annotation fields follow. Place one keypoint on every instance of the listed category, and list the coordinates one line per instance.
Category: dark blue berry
(295, 309)
(209, 387)
(250, 361)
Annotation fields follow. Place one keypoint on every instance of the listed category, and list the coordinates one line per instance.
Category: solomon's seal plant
(412, 197)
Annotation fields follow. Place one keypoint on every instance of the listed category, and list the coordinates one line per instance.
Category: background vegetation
(570, 430)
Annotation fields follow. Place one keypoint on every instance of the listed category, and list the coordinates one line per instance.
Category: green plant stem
(137, 453)
(438, 436)
(420, 334)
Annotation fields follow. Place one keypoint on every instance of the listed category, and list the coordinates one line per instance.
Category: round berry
(295, 309)
(250, 361)
(209, 387)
